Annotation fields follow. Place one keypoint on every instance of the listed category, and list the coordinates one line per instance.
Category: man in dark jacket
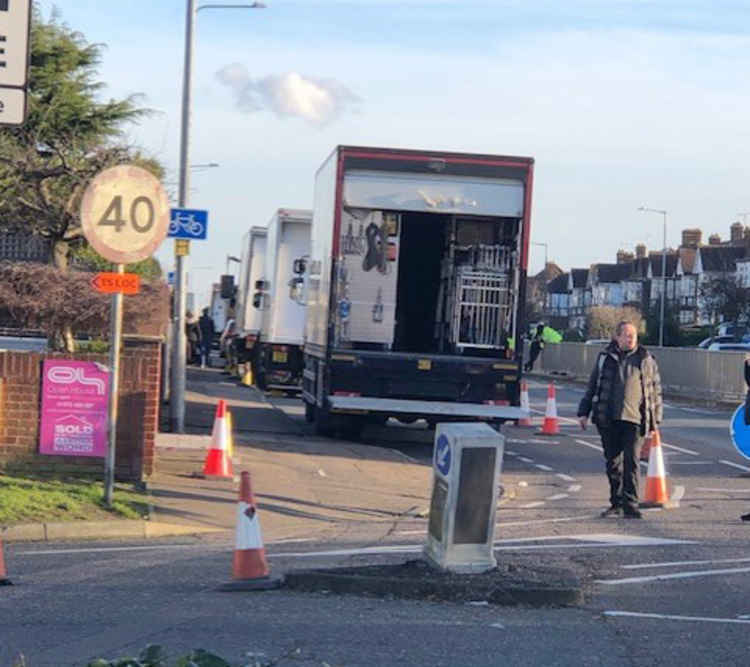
(623, 398)
(206, 324)
(537, 345)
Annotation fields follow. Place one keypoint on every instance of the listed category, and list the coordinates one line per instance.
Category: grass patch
(32, 500)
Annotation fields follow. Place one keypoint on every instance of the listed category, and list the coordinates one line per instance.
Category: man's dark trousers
(622, 451)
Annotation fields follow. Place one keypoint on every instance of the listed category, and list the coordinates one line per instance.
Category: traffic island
(508, 584)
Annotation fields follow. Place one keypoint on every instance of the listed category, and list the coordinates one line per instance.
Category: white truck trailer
(251, 279)
(416, 287)
(278, 358)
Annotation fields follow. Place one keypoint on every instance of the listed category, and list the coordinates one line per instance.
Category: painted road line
(675, 575)
(511, 453)
(537, 441)
(677, 563)
(598, 448)
(528, 506)
(675, 617)
(525, 459)
(735, 465)
(690, 463)
(565, 478)
(557, 496)
(703, 488)
(679, 449)
(91, 550)
(512, 524)
(574, 488)
(541, 466)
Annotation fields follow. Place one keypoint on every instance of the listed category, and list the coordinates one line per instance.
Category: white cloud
(289, 95)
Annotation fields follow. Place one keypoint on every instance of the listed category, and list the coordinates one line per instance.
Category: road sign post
(15, 23)
(124, 216)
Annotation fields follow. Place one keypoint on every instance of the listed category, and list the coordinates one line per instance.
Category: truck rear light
(278, 348)
(251, 338)
(347, 393)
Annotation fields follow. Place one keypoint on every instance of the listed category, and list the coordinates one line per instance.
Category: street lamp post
(177, 393)
(663, 269)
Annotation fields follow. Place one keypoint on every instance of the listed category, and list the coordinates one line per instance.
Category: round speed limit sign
(125, 214)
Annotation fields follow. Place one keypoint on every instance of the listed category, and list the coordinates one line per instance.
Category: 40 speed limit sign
(125, 214)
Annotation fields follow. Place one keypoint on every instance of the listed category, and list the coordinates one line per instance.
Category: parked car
(728, 347)
(603, 342)
(717, 339)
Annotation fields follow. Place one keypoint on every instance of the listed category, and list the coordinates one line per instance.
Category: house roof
(656, 264)
(610, 273)
(639, 269)
(720, 258)
(580, 276)
(559, 285)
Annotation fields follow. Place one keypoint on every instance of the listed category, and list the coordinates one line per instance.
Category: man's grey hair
(622, 324)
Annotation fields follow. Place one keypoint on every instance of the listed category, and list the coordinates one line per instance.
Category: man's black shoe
(612, 510)
(632, 514)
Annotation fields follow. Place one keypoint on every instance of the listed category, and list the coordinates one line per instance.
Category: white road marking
(525, 459)
(735, 465)
(598, 448)
(565, 478)
(50, 552)
(530, 505)
(677, 563)
(674, 617)
(541, 466)
(557, 496)
(690, 463)
(676, 575)
(511, 524)
(703, 488)
(574, 488)
(508, 451)
(537, 441)
(679, 449)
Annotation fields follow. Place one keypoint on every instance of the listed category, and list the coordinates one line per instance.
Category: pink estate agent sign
(74, 408)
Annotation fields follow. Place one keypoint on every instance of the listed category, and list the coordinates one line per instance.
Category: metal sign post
(115, 340)
(124, 216)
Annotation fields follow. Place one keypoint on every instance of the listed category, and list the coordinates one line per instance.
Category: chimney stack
(735, 233)
(624, 257)
(714, 239)
(691, 238)
(640, 251)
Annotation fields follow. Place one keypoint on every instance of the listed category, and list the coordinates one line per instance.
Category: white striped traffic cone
(656, 479)
(218, 463)
(525, 407)
(551, 425)
(249, 565)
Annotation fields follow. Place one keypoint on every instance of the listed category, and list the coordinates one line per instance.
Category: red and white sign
(74, 408)
(127, 283)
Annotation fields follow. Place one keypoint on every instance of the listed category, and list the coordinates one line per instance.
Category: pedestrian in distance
(624, 400)
(207, 329)
(193, 335)
(537, 345)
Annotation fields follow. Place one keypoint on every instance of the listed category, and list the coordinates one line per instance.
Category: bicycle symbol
(186, 222)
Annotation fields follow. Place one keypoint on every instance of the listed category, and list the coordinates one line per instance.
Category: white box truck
(416, 287)
(279, 361)
(251, 279)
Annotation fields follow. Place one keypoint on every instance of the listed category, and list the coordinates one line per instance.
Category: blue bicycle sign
(187, 223)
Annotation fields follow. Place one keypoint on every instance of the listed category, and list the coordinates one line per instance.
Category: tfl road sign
(740, 431)
(443, 455)
(15, 21)
(125, 214)
(187, 223)
(127, 283)
(15, 18)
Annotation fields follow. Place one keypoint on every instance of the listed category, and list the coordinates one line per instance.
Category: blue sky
(622, 104)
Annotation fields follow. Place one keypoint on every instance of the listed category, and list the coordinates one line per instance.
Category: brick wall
(138, 407)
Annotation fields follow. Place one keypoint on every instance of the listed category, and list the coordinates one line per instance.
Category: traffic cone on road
(249, 565)
(646, 448)
(525, 407)
(218, 463)
(247, 375)
(655, 494)
(4, 581)
(551, 425)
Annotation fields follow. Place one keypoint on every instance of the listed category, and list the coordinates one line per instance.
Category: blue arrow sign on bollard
(443, 455)
(188, 223)
(740, 431)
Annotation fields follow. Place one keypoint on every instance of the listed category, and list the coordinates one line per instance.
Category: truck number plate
(279, 357)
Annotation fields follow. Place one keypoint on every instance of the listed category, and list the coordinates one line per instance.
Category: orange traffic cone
(4, 581)
(646, 448)
(249, 566)
(218, 463)
(656, 480)
(551, 425)
(525, 407)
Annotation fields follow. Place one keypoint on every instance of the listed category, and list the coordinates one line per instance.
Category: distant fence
(685, 371)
